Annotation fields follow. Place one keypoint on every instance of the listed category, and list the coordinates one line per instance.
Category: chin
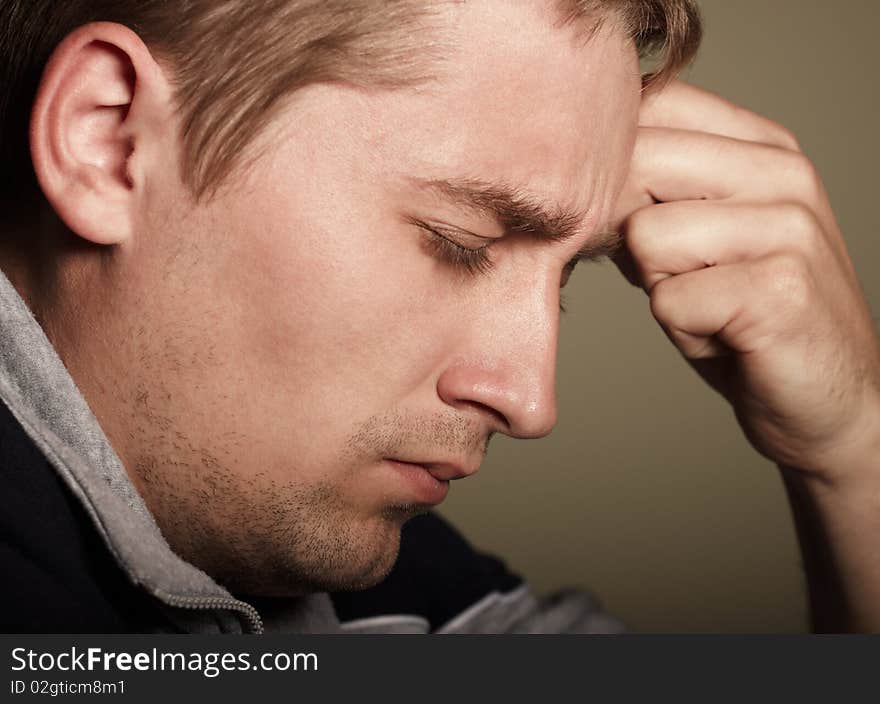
(361, 561)
(376, 552)
(336, 552)
(379, 555)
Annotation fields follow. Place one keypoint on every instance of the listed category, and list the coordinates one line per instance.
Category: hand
(728, 228)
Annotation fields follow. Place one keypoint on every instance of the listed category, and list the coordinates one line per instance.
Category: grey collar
(43, 397)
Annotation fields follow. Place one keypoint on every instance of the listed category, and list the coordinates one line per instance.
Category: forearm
(838, 530)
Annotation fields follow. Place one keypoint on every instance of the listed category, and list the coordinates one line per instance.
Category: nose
(505, 370)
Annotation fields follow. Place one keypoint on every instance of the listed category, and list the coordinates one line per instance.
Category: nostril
(498, 421)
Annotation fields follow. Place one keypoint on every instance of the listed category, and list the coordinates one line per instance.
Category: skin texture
(254, 359)
(730, 233)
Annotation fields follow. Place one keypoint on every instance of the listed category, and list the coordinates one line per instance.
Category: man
(274, 275)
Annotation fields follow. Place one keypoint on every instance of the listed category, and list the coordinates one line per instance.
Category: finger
(673, 164)
(674, 238)
(684, 106)
(738, 307)
(693, 308)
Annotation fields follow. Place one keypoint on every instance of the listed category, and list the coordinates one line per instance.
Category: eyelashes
(466, 260)
(463, 259)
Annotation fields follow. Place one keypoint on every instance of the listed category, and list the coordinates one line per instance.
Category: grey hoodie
(42, 396)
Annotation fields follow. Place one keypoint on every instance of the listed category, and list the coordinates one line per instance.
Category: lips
(418, 483)
(442, 471)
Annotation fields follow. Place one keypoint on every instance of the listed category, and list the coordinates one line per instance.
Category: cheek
(332, 312)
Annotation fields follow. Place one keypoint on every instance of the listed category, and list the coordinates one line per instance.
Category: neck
(27, 255)
(53, 271)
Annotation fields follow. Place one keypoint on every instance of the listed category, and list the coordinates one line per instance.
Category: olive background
(647, 492)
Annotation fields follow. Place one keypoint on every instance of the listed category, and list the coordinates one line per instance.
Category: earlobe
(88, 123)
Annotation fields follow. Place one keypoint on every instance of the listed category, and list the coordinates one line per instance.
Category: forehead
(524, 102)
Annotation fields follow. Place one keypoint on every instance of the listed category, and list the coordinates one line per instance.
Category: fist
(728, 228)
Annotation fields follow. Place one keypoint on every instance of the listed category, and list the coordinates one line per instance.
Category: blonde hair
(233, 60)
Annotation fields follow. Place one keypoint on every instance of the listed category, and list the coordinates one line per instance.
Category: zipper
(48, 450)
(254, 622)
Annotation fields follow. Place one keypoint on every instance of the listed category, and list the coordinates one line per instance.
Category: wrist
(849, 466)
(837, 520)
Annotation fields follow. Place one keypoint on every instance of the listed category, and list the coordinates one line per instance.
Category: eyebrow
(519, 212)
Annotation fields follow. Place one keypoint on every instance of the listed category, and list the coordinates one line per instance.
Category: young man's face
(291, 337)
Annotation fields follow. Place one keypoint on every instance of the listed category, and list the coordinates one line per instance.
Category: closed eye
(466, 260)
(470, 260)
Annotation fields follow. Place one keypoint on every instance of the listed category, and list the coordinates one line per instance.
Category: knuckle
(786, 278)
(635, 230)
(804, 177)
(785, 138)
(644, 232)
(801, 225)
(639, 243)
(779, 135)
(662, 301)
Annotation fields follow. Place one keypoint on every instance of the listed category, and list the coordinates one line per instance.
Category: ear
(95, 129)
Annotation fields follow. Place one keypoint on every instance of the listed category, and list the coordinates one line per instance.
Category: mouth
(420, 482)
